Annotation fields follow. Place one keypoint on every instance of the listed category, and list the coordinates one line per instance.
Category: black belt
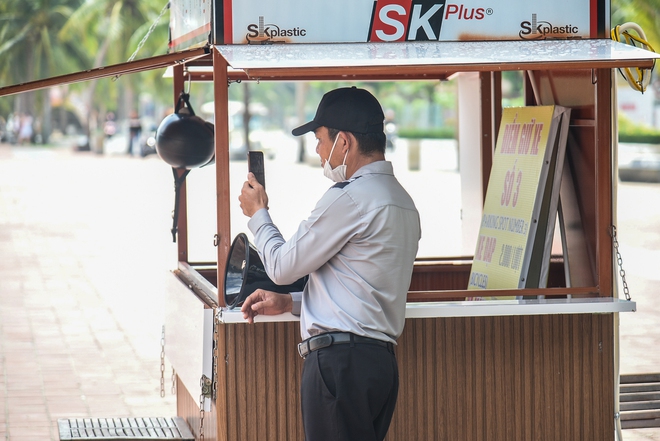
(332, 338)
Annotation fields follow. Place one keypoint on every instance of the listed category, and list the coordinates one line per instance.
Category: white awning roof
(404, 60)
(422, 59)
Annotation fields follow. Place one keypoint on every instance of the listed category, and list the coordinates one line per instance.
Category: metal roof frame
(375, 61)
(159, 61)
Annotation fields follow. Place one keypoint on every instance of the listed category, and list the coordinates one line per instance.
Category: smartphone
(256, 166)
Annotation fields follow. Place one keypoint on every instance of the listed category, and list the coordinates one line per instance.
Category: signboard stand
(538, 268)
(515, 238)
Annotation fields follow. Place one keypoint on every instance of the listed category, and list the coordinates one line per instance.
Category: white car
(639, 162)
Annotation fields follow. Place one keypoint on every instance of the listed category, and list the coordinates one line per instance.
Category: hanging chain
(201, 413)
(619, 261)
(173, 381)
(205, 383)
(162, 363)
(144, 39)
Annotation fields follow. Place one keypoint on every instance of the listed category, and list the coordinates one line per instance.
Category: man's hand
(266, 303)
(253, 196)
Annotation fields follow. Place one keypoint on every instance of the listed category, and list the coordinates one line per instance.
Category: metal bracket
(207, 386)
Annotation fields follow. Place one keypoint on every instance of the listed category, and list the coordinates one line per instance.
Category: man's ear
(347, 140)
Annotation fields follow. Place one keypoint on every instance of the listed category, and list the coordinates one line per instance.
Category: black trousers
(348, 392)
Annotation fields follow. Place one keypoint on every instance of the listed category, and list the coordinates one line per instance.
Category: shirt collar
(378, 167)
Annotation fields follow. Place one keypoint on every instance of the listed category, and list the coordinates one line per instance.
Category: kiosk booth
(535, 362)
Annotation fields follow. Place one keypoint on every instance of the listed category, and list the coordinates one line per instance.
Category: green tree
(112, 30)
(642, 12)
(645, 14)
(31, 50)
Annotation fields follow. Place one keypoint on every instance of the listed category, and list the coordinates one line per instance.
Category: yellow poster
(521, 160)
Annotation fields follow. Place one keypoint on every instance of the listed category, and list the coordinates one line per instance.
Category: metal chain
(144, 39)
(619, 261)
(173, 381)
(201, 415)
(162, 363)
(205, 384)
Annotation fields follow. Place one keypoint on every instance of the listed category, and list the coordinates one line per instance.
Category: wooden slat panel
(263, 382)
(464, 329)
(455, 274)
(269, 384)
(568, 414)
(489, 406)
(536, 383)
(476, 378)
(514, 332)
(445, 276)
(431, 342)
(222, 395)
(188, 407)
(504, 378)
(449, 359)
(227, 346)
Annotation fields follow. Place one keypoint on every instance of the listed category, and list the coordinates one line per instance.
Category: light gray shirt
(358, 247)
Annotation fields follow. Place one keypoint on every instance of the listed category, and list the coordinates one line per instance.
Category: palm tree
(642, 12)
(112, 29)
(31, 50)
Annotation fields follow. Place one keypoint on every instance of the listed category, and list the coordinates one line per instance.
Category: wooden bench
(639, 397)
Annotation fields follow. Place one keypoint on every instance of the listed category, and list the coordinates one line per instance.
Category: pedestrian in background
(25, 129)
(134, 131)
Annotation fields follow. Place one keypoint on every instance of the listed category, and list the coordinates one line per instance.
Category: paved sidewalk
(84, 245)
(84, 242)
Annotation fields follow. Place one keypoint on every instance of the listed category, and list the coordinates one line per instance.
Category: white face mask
(337, 174)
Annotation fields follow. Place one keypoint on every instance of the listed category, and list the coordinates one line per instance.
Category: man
(358, 247)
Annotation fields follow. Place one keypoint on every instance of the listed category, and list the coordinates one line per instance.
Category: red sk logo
(406, 20)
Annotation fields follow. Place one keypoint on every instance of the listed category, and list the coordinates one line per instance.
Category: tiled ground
(80, 325)
(84, 243)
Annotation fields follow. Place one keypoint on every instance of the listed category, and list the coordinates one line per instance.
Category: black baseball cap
(349, 109)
